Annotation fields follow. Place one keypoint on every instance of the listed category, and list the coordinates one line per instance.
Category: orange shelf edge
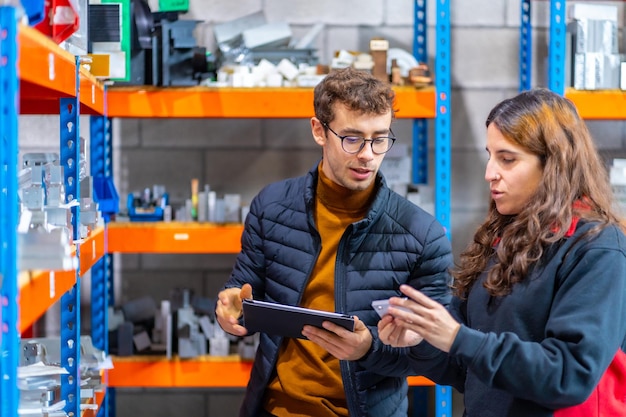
(599, 104)
(230, 102)
(206, 371)
(48, 73)
(203, 372)
(174, 237)
(39, 290)
(92, 249)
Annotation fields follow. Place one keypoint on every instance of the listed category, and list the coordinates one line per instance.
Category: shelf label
(51, 72)
(52, 289)
(181, 236)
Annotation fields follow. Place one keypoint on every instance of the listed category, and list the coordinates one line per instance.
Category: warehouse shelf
(47, 73)
(231, 102)
(174, 237)
(160, 372)
(599, 104)
(41, 289)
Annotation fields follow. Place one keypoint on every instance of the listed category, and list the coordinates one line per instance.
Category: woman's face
(512, 172)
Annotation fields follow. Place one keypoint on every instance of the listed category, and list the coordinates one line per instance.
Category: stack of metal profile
(595, 61)
(39, 376)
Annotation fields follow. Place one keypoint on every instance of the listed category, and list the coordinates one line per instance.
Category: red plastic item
(60, 19)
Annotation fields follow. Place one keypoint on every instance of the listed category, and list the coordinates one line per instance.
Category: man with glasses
(335, 239)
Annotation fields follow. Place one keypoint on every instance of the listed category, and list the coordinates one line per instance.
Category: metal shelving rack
(592, 105)
(421, 105)
(50, 81)
(68, 97)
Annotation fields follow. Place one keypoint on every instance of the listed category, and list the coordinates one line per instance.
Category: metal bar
(419, 149)
(556, 48)
(442, 122)
(525, 47)
(9, 317)
(70, 302)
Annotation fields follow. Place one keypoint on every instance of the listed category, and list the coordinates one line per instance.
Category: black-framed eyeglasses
(354, 144)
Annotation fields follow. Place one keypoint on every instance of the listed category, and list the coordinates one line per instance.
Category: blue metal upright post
(9, 317)
(419, 153)
(101, 164)
(70, 301)
(525, 48)
(442, 121)
(419, 150)
(443, 394)
(556, 48)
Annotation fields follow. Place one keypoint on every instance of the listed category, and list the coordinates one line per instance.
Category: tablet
(284, 320)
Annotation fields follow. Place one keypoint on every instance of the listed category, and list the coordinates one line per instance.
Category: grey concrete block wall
(243, 155)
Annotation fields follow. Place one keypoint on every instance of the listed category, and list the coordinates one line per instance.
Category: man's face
(352, 171)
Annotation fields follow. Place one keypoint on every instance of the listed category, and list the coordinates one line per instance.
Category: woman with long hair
(537, 325)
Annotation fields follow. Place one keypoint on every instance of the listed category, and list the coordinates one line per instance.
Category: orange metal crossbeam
(205, 371)
(600, 104)
(48, 73)
(174, 237)
(229, 102)
(91, 250)
(39, 290)
(159, 372)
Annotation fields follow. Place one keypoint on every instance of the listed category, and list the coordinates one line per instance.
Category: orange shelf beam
(48, 73)
(201, 372)
(205, 371)
(41, 289)
(91, 250)
(230, 102)
(599, 104)
(174, 237)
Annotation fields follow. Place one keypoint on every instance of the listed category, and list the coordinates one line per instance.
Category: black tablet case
(288, 321)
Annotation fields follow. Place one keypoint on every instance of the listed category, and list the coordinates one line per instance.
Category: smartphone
(381, 307)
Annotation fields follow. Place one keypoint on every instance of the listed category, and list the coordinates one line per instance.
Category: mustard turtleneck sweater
(308, 379)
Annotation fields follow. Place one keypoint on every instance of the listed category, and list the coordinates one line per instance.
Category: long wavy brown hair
(548, 126)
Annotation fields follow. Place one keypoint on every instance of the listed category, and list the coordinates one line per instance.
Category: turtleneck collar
(337, 197)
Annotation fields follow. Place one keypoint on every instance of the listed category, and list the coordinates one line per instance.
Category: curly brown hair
(548, 126)
(360, 91)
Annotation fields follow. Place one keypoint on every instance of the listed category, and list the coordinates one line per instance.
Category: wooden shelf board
(48, 73)
(599, 104)
(205, 372)
(173, 237)
(229, 102)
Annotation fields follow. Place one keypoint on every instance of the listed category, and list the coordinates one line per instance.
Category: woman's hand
(425, 317)
(393, 333)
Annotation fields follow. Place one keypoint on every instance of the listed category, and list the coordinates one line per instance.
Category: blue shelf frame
(69, 112)
(101, 163)
(442, 183)
(556, 46)
(9, 318)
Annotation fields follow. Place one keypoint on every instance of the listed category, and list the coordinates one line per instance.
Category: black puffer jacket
(396, 243)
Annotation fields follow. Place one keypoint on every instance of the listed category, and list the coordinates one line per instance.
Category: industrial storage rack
(37, 77)
(82, 93)
(592, 105)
